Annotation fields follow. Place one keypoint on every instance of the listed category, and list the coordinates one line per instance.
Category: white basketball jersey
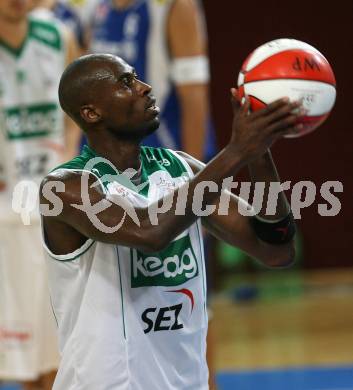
(31, 121)
(130, 320)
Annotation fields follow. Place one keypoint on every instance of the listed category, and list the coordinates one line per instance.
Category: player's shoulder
(46, 30)
(69, 171)
(66, 184)
(78, 163)
(58, 180)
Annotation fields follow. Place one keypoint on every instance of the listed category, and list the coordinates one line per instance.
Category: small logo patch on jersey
(173, 266)
(163, 161)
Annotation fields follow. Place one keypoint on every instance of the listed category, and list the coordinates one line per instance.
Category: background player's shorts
(28, 339)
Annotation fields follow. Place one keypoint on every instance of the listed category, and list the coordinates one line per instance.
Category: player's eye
(127, 80)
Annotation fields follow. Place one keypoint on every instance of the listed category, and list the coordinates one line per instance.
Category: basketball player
(130, 302)
(165, 41)
(32, 141)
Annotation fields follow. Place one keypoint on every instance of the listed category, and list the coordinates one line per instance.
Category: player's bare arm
(252, 135)
(189, 42)
(147, 237)
(235, 228)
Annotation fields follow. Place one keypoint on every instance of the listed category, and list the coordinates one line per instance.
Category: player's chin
(152, 125)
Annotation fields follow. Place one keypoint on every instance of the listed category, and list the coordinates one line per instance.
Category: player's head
(101, 91)
(14, 10)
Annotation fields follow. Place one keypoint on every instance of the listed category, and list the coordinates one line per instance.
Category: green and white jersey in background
(31, 120)
(130, 320)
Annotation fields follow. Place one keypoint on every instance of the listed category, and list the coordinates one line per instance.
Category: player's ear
(90, 113)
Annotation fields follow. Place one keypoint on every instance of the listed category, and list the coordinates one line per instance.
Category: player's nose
(143, 88)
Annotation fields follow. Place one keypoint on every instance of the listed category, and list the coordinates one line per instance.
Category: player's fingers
(291, 130)
(235, 93)
(235, 99)
(271, 108)
(245, 108)
(294, 108)
(282, 124)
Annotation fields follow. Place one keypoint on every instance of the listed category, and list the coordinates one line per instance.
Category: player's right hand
(254, 132)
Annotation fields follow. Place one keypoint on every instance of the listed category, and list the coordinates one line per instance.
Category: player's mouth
(151, 106)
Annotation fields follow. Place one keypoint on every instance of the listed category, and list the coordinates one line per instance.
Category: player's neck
(121, 4)
(122, 154)
(13, 33)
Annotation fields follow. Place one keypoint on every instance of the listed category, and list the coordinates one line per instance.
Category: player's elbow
(152, 247)
(153, 241)
(282, 256)
(156, 245)
(159, 240)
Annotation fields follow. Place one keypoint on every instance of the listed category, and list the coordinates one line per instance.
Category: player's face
(14, 10)
(128, 107)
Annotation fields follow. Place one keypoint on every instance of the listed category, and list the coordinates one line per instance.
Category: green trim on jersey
(152, 159)
(40, 30)
(71, 257)
(121, 294)
(46, 32)
(16, 52)
(78, 162)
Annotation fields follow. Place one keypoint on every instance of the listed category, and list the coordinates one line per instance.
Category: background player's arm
(73, 133)
(235, 229)
(186, 38)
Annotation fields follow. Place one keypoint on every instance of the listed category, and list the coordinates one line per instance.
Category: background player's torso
(130, 320)
(31, 120)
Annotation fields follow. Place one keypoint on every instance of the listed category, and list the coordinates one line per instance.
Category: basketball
(293, 69)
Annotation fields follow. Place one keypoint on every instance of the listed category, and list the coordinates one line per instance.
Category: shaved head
(81, 81)
(102, 92)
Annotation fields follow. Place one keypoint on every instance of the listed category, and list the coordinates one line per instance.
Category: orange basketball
(293, 69)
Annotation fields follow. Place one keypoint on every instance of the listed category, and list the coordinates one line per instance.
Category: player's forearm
(149, 228)
(227, 163)
(264, 170)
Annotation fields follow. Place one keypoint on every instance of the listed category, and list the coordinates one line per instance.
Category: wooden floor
(298, 319)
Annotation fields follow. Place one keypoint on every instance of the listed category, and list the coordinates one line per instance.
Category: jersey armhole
(68, 256)
(87, 244)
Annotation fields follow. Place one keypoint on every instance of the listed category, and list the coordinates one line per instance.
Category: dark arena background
(235, 29)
